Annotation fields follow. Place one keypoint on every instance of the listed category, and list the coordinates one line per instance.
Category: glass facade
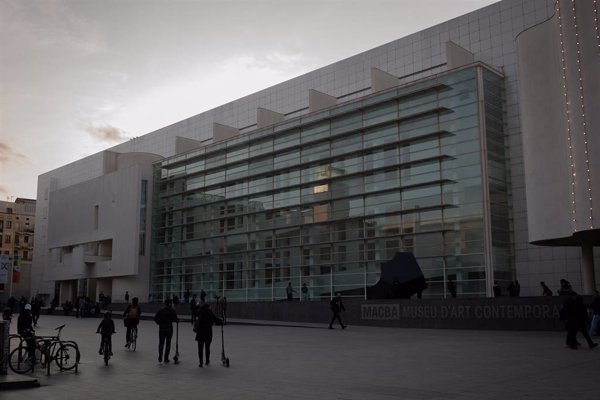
(325, 198)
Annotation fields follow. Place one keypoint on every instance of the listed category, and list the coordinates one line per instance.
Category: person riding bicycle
(106, 329)
(132, 318)
(25, 328)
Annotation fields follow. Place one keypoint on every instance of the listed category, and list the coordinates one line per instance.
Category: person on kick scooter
(203, 328)
(164, 318)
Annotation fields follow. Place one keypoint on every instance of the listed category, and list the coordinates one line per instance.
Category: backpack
(132, 313)
(333, 304)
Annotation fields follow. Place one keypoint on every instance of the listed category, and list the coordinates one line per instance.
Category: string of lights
(568, 111)
(596, 25)
(583, 116)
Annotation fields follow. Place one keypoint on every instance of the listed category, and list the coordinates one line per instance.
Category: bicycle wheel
(20, 360)
(15, 341)
(133, 339)
(106, 353)
(67, 356)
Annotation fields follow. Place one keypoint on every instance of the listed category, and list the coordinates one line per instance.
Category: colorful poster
(4, 266)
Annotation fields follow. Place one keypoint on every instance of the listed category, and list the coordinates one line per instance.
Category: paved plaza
(312, 362)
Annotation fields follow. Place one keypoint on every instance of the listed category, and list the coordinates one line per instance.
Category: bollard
(4, 347)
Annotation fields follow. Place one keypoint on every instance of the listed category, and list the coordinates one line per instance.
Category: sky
(80, 76)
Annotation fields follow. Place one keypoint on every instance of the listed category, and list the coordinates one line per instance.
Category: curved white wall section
(559, 71)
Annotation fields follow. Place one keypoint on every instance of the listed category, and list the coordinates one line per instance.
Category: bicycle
(133, 338)
(105, 352)
(15, 340)
(46, 349)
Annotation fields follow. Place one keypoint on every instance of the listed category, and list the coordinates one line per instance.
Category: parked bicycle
(43, 351)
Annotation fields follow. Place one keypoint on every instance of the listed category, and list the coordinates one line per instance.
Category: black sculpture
(401, 277)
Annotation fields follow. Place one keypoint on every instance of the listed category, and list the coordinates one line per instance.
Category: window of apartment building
(25, 255)
(8, 224)
(26, 239)
(7, 239)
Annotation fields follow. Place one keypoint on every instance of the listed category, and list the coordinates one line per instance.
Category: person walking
(575, 315)
(205, 319)
(289, 291)
(132, 318)
(193, 308)
(497, 289)
(224, 309)
(304, 292)
(126, 296)
(451, 288)
(164, 318)
(36, 309)
(337, 306)
(595, 306)
(80, 307)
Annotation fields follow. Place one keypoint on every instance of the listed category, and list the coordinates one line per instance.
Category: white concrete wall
(561, 123)
(489, 34)
(71, 224)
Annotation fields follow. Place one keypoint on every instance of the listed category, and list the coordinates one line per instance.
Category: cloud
(3, 190)
(106, 133)
(9, 156)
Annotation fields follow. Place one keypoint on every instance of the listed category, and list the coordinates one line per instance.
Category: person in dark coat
(205, 319)
(451, 288)
(164, 318)
(337, 306)
(565, 288)
(497, 289)
(25, 328)
(36, 309)
(25, 322)
(106, 329)
(576, 320)
(595, 306)
(512, 290)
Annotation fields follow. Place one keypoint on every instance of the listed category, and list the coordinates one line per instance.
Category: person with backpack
(131, 318)
(205, 319)
(337, 306)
